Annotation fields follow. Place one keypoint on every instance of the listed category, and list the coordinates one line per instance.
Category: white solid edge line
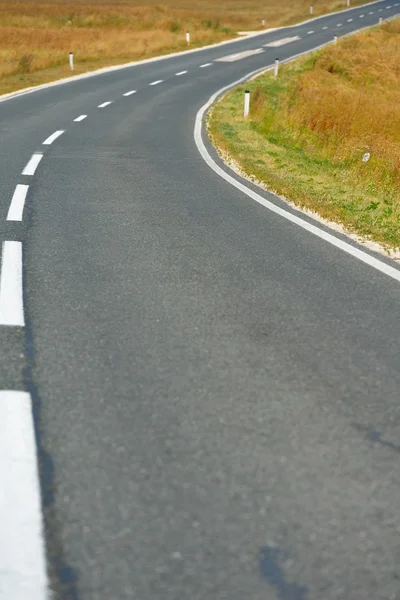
(327, 237)
(104, 104)
(156, 82)
(32, 164)
(53, 137)
(22, 549)
(105, 70)
(181, 73)
(11, 298)
(17, 203)
(129, 93)
(80, 118)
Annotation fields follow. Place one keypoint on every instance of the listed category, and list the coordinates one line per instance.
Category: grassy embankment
(310, 127)
(36, 38)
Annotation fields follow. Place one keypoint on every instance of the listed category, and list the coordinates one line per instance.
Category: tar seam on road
(32, 164)
(11, 300)
(22, 550)
(17, 203)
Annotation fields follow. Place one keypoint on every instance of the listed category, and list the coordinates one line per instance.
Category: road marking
(22, 549)
(80, 118)
(310, 32)
(53, 137)
(129, 93)
(371, 13)
(281, 42)
(205, 65)
(361, 16)
(325, 27)
(349, 20)
(327, 237)
(339, 25)
(380, 9)
(32, 164)
(104, 104)
(11, 300)
(239, 55)
(156, 82)
(181, 73)
(17, 203)
(390, 6)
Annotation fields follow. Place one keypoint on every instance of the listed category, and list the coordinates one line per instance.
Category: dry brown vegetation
(310, 128)
(35, 38)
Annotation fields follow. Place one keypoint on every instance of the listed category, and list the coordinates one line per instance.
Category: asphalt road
(215, 390)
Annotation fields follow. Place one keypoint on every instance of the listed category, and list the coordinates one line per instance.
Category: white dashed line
(104, 104)
(181, 73)
(371, 13)
(17, 203)
(205, 65)
(390, 6)
(361, 16)
(156, 82)
(129, 93)
(53, 137)
(309, 32)
(80, 118)
(380, 9)
(325, 27)
(339, 25)
(349, 20)
(32, 164)
(22, 550)
(11, 300)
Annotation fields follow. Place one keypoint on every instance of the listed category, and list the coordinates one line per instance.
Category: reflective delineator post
(246, 103)
(71, 61)
(380, 20)
(276, 67)
(187, 38)
(263, 23)
(335, 39)
(311, 10)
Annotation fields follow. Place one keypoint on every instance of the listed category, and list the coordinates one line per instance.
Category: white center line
(22, 550)
(129, 93)
(349, 20)
(80, 118)
(325, 27)
(371, 13)
(156, 82)
(181, 73)
(104, 104)
(17, 203)
(53, 137)
(361, 16)
(390, 6)
(380, 9)
(32, 164)
(339, 25)
(205, 65)
(309, 32)
(11, 300)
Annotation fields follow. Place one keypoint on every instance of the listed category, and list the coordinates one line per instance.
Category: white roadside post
(348, 3)
(187, 38)
(263, 23)
(246, 103)
(380, 20)
(276, 67)
(71, 61)
(335, 39)
(311, 10)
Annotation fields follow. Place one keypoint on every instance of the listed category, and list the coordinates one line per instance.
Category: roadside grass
(36, 38)
(310, 127)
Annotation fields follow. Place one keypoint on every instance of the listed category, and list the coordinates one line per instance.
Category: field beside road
(325, 133)
(36, 38)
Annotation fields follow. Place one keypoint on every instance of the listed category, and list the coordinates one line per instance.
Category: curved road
(215, 390)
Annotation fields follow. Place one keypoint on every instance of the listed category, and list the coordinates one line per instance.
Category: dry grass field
(310, 128)
(36, 37)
